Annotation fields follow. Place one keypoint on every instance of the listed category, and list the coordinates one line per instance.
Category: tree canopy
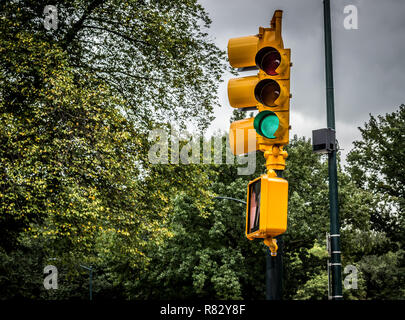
(77, 187)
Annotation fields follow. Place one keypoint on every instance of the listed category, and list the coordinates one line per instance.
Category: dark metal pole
(274, 264)
(336, 265)
(274, 267)
(229, 198)
(90, 269)
(274, 272)
(91, 284)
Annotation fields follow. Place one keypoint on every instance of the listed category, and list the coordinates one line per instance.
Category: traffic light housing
(268, 91)
(266, 210)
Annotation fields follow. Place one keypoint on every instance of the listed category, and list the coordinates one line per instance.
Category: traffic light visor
(254, 206)
(242, 51)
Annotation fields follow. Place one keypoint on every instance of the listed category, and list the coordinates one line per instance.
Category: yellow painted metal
(273, 207)
(260, 91)
(283, 132)
(241, 92)
(243, 137)
(249, 91)
(275, 157)
(272, 244)
(281, 109)
(272, 35)
(283, 70)
(242, 51)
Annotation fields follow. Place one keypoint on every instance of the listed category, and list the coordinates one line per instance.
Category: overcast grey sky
(369, 63)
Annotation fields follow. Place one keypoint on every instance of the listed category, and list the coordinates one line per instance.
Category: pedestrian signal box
(266, 212)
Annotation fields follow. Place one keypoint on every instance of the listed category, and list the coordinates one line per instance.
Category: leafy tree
(377, 161)
(76, 104)
(67, 158)
(376, 167)
(207, 255)
(77, 186)
(307, 217)
(154, 54)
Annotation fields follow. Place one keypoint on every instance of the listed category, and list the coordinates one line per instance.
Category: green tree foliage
(154, 54)
(68, 159)
(76, 104)
(376, 167)
(377, 161)
(307, 220)
(377, 164)
(77, 186)
(208, 255)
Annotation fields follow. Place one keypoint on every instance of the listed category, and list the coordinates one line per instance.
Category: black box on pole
(323, 140)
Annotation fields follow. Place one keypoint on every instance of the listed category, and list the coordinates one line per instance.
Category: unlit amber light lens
(270, 93)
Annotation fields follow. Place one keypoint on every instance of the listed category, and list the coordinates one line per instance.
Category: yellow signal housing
(241, 92)
(275, 26)
(268, 91)
(242, 51)
(243, 137)
(267, 204)
(248, 92)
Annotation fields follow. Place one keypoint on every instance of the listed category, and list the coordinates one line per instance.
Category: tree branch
(78, 25)
(124, 36)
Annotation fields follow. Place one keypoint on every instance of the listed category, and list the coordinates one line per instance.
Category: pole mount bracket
(272, 244)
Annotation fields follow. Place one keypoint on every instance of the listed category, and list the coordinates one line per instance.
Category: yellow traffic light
(266, 211)
(268, 91)
(242, 51)
(242, 137)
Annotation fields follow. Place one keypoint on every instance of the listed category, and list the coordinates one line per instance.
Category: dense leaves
(78, 188)
(154, 54)
(76, 183)
(376, 160)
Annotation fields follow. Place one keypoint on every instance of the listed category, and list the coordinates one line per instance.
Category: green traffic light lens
(269, 126)
(266, 124)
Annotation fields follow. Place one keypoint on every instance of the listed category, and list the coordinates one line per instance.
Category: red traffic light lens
(270, 62)
(268, 59)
